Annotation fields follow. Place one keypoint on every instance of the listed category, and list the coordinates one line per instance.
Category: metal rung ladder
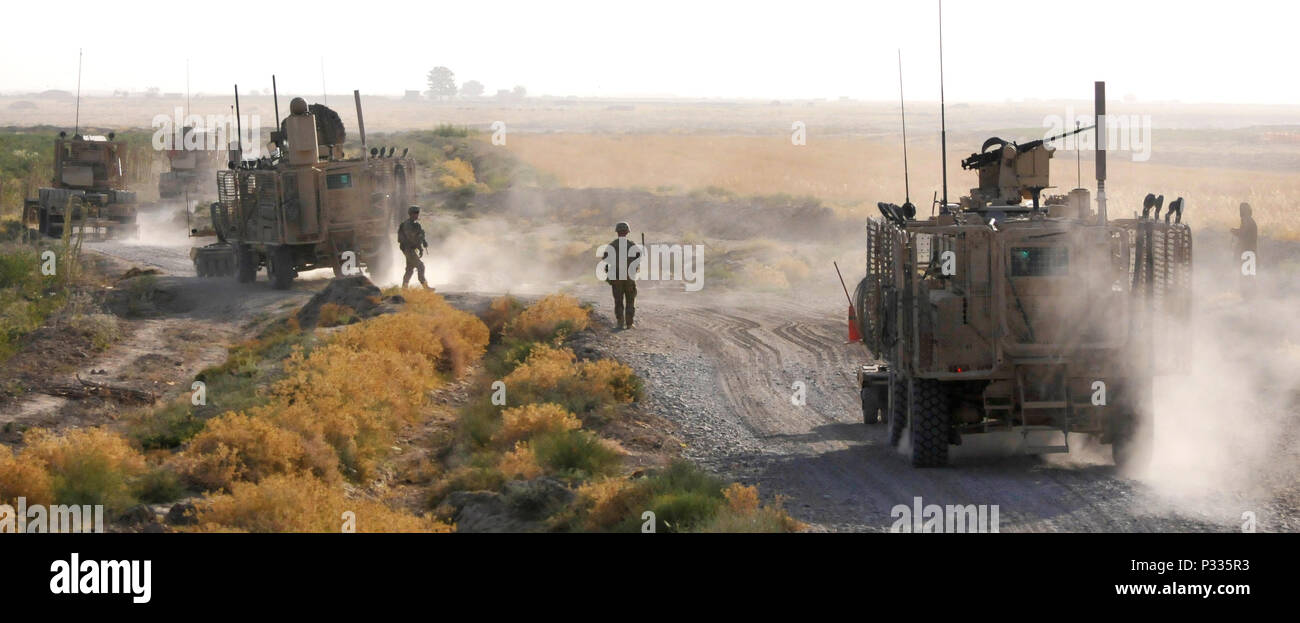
(1059, 411)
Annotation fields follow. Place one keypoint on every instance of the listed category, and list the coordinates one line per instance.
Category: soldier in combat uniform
(619, 256)
(410, 239)
(1247, 241)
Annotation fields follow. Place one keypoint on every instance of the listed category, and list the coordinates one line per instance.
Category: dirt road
(725, 369)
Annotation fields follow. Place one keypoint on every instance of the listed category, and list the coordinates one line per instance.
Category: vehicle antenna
(907, 187)
(76, 124)
(943, 122)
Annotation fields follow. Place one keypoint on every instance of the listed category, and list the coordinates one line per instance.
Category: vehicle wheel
(897, 408)
(280, 269)
(1131, 442)
(44, 226)
(245, 264)
(870, 406)
(930, 424)
(201, 266)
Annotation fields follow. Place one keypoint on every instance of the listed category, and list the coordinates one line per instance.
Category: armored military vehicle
(307, 206)
(88, 190)
(192, 166)
(1015, 311)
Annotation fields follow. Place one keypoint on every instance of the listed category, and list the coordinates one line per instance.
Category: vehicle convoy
(1010, 311)
(192, 166)
(307, 206)
(88, 191)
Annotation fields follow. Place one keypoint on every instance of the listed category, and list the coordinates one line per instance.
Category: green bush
(575, 454)
(159, 486)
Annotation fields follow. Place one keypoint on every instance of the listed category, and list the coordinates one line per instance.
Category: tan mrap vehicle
(88, 190)
(1011, 312)
(309, 208)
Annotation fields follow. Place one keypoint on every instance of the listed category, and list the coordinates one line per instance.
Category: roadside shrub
(743, 514)
(159, 486)
(549, 320)
(237, 447)
(500, 312)
(297, 503)
(87, 466)
(334, 314)
(609, 502)
(464, 337)
(166, 427)
(27, 297)
(21, 477)
(522, 423)
(466, 478)
(456, 174)
(575, 454)
(588, 389)
(508, 355)
(543, 371)
(520, 463)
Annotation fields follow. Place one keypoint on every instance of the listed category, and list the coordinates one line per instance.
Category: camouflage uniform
(1247, 240)
(410, 239)
(624, 289)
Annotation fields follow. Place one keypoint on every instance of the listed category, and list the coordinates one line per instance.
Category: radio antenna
(907, 187)
(1078, 159)
(76, 123)
(324, 96)
(943, 122)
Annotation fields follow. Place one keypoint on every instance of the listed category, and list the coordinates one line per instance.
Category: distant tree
(520, 92)
(153, 91)
(472, 88)
(442, 83)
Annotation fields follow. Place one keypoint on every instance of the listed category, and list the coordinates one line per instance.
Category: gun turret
(1010, 172)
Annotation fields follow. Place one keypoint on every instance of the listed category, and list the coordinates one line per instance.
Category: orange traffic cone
(854, 335)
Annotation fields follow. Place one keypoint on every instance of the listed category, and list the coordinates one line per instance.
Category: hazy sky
(1238, 52)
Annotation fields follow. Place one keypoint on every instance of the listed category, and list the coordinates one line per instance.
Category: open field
(856, 172)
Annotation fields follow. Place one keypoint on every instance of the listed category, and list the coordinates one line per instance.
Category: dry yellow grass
(285, 503)
(856, 172)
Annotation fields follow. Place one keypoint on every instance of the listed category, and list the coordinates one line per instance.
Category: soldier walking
(410, 239)
(619, 256)
(1247, 241)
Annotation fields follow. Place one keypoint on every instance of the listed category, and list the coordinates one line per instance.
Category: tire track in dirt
(835, 472)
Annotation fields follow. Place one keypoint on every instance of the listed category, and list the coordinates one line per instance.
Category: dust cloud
(1228, 426)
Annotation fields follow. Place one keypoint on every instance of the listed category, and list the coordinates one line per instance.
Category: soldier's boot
(629, 320)
(618, 321)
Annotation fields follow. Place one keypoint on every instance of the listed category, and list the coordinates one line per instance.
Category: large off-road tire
(896, 410)
(1132, 438)
(930, 423)
(870, 405)
(280, 267)
(245, 264)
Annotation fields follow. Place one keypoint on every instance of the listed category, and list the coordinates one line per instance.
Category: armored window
(1040, 261)
(338, 180)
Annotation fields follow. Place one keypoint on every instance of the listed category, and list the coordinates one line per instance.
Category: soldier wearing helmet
(1247, 242)
(622, 257)
(410, 239)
